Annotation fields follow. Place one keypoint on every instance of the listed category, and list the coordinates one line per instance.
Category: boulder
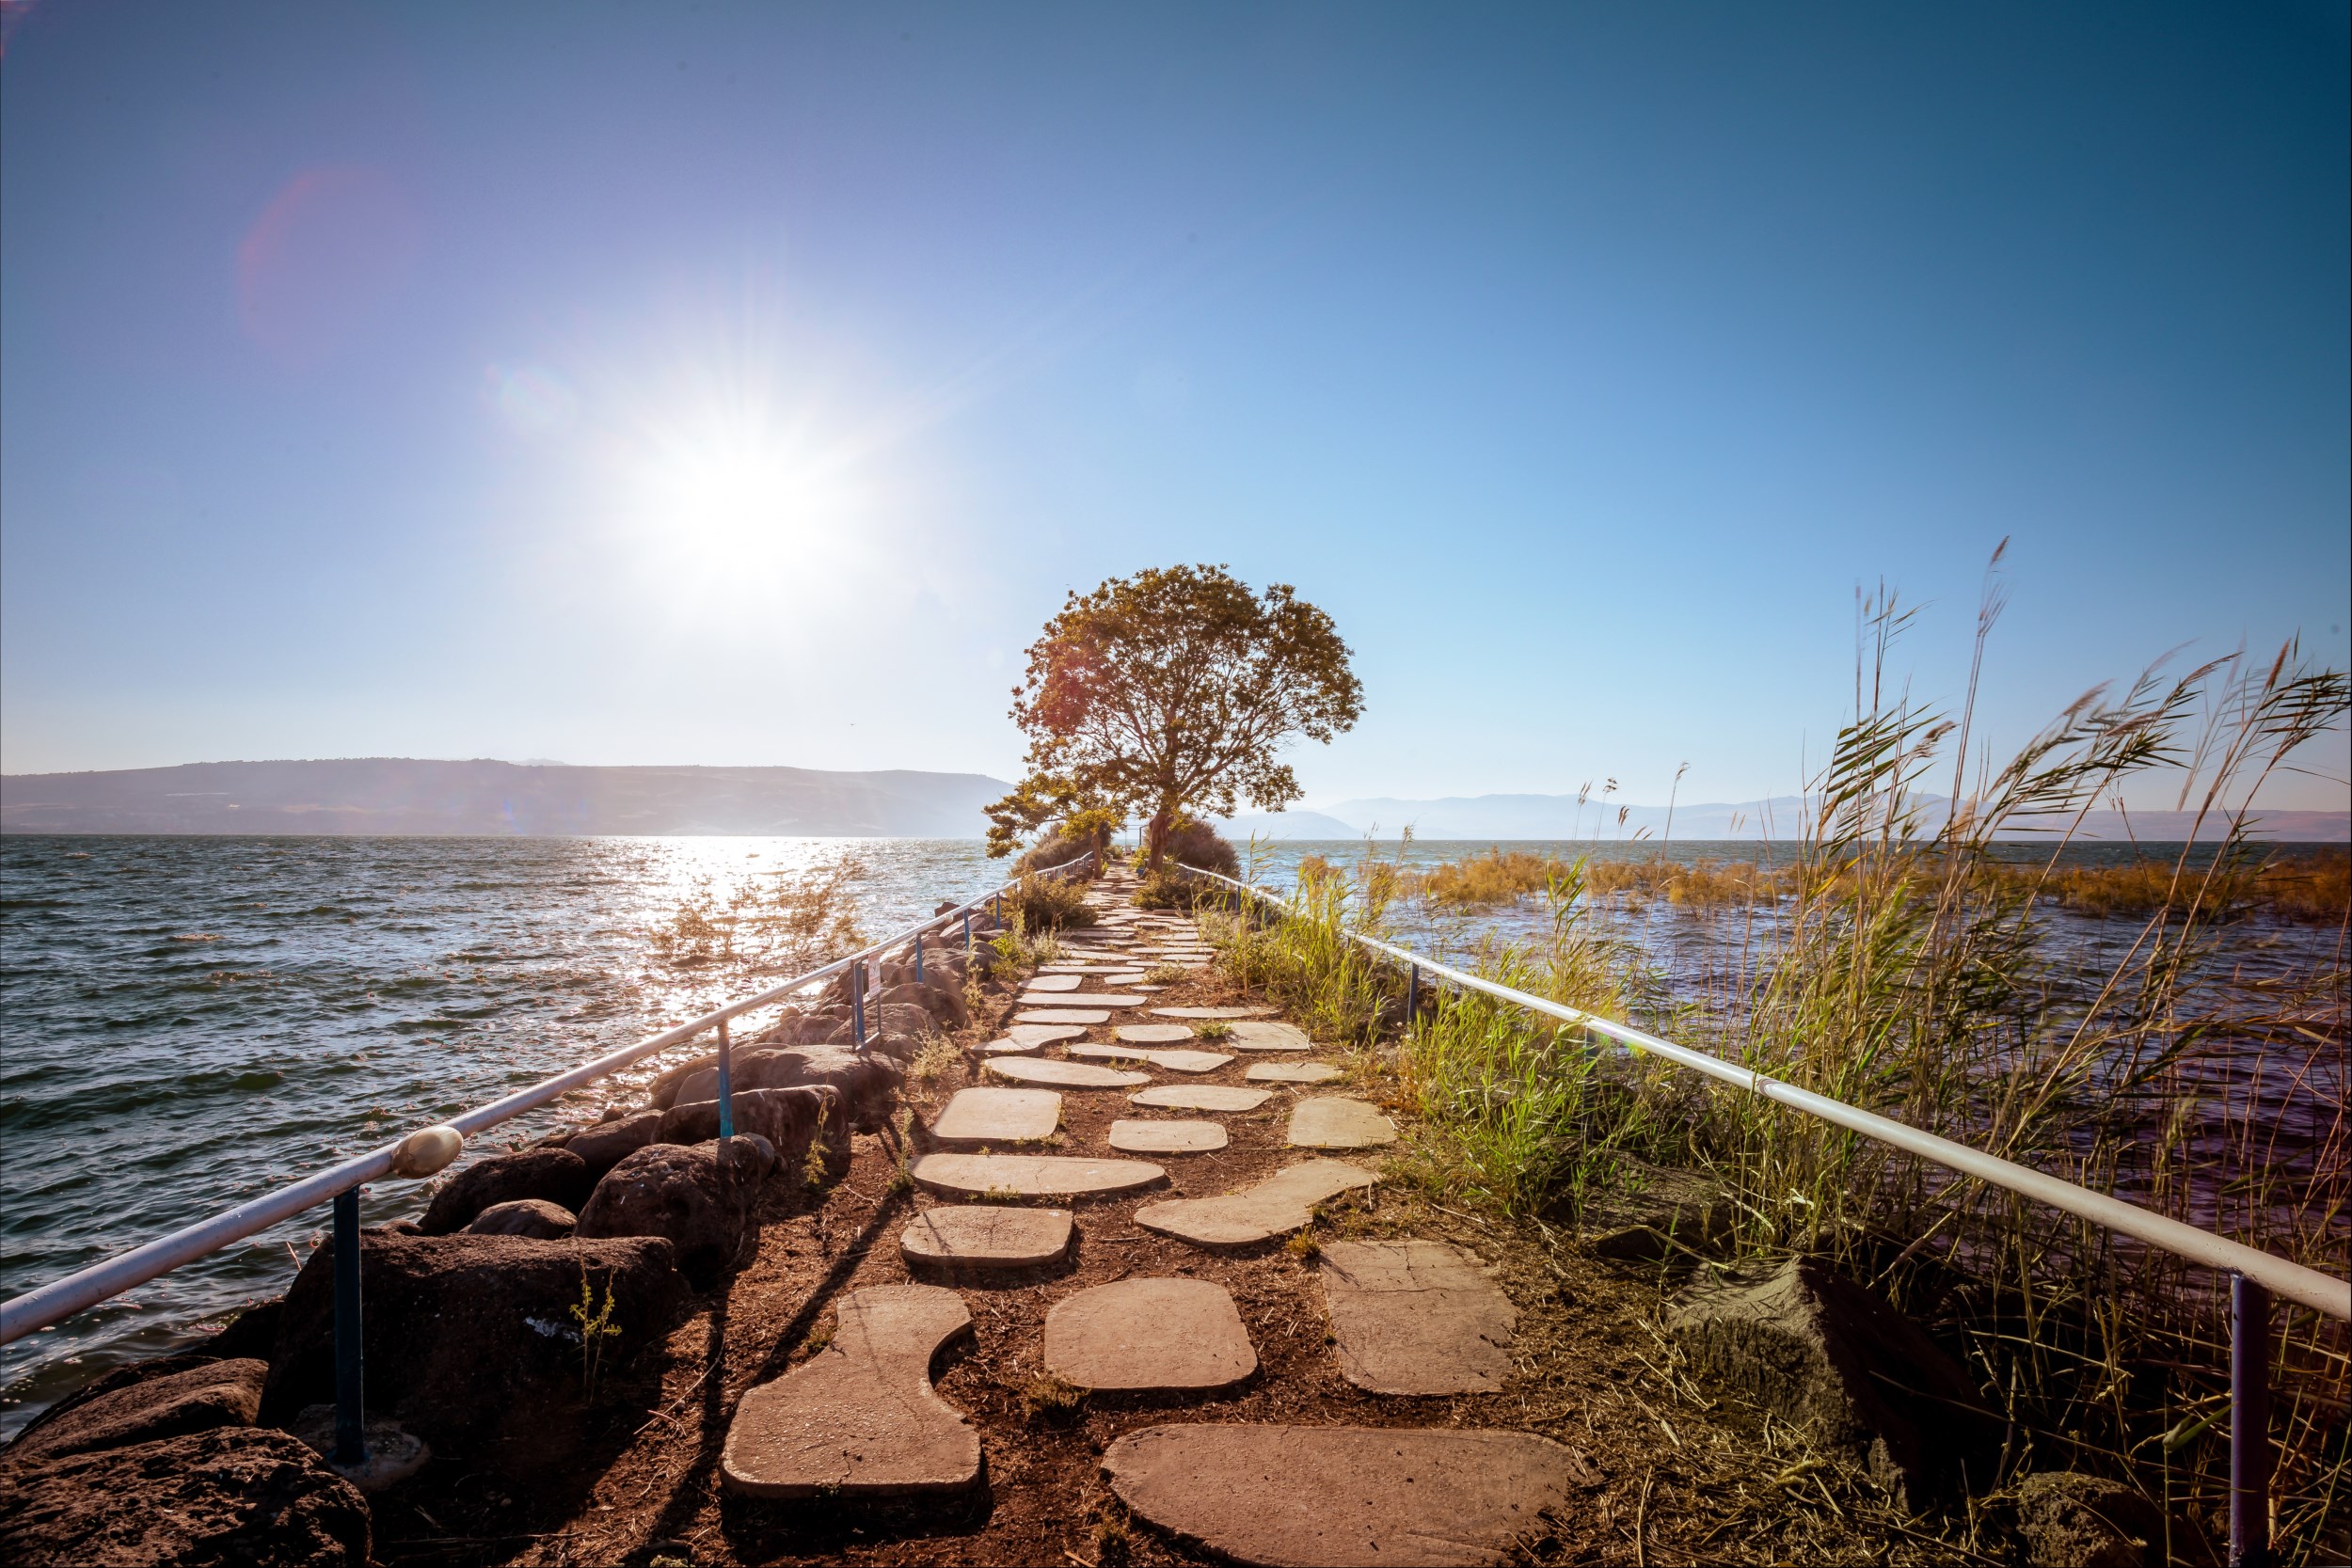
(224, 1495)
(790, 1119)
(900, 1018)
(1659, 1215)
(1821, 1351)
(143, 1402)
(2066, 1519)
(525, 1216)
(867, 1080)
(471, 1341)
(252, 1334)
(811, 1028)
(557, 1175)
(944, 1008)
(697, 1197)
(609, 1143)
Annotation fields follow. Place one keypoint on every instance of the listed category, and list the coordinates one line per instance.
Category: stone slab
(1166, 1137)
(1174, 1061)
(986, 1236)
(1335, 1121)
(998, 1116)
(1064, 1075)
(860, 1419)
(1031, 1175)
(1085, 999)
(1291, 1072)
(1200, 1097)
(1154, 1034)
(1056, 982)
(1341, 1496)
(1275, 1206)
(1268, 1035)
(1138, 1335)
(1416, 1318)
(1062, 1015)
(1210, 1012)
(1031, 1036)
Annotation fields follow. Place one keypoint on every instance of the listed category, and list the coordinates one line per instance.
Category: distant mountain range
(1497, 818)
(408, 796)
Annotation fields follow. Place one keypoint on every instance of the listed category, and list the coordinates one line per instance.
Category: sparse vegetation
(1047, 904)
(1911, 976)
(802, 921)
(1212, 1030)
(1164, 975)
(595, 1318)
(1047, 1400)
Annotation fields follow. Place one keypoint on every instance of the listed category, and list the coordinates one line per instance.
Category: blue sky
(745, 385)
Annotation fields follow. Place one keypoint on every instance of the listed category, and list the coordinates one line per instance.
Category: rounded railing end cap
(427, 1149)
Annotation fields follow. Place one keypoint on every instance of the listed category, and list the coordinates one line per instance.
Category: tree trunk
(1156, 838)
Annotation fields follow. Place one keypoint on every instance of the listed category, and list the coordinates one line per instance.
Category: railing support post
(351, 1429)
(967, 933)
(857, 1002)
(918, 958)
(726, 1083)
(1412, 996)
(2249, 1423)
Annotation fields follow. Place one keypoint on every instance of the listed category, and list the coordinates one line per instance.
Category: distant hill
(408, 796)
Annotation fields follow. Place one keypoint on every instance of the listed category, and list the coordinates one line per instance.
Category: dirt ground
(1671, 1472)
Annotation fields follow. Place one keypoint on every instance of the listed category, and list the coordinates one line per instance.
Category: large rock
(2066, 1519)
(609, 1143)
(867, 1081)
(810, 1028)
(470, 1341)
(941, 1005)
(1656, 1214)
(1819, 1351)
(226, 1496)
(790, 1119)
(697, 1197)
(143, 1402)
(526, 1216)
(557, 1175)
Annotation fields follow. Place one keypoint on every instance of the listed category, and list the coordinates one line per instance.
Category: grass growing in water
(1907, 975)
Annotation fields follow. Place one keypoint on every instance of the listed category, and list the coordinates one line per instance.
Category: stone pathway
(1154, 1034)
(987, 1236)
(1291, 1072)
(1173, 1061)
(1200, 1097)
(1263, 1035)
(1166, 1137)
(1062, 1015)
(859, 1418)
(998, 1116)
(1210, 1012)
(1416, 1318)
(1155, 1334)
(1065, 1075)
(1031, 1175)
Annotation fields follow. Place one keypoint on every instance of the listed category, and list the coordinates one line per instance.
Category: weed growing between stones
(937, 1057)
(1164, 974)
(596, 1322)
(1212, 1030)
(814, 1164)
(1303, 1245)
(1048, 1401)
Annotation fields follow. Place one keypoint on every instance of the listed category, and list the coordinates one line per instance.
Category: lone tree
(1171, 692)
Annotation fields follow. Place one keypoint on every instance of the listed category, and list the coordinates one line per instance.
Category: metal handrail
(2306, 1287)
(2255, 1275)
(85, 1288)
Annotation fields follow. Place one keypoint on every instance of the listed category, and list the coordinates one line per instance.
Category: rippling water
(189, 1023)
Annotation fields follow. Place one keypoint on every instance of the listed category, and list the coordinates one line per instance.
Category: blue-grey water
(188, 1021)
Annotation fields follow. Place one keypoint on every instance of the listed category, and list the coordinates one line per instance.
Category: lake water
(187, 1023)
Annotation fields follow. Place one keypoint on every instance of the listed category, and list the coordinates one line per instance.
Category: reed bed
(1909, 975)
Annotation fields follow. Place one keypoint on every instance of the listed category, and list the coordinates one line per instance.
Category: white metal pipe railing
(85, 1288)
(2306, 1287)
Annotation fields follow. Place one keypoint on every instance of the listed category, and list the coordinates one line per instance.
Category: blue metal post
(1412, 995)
(857, 1000)
(726, 1083)
(918, 958)
(997, 907)
(351, 1432)
(2250, 1424)
(967, 933)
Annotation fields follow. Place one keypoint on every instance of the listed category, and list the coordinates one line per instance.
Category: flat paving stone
(986, 1236)
(1149, 1333)
(1288, 1497)
(1062, 1015)
(998, 1116)
(1087, 999)
(1416, 1318)
(1154, 1034)
(1031, 1175)
(1210, 1012)
(1056, 982)
(1268, 1035)
(1275, 1206)
(860, 1418)
(1032, 1036)
(1065, 1075)
(1335, 1121)
(1166, 1137)
(1200, 1097)
(1291, 1072)
(1173, 1061)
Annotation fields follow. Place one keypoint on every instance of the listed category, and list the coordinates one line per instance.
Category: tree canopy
(1172, 692)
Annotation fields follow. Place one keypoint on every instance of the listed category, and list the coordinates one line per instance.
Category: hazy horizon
(747, 390)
